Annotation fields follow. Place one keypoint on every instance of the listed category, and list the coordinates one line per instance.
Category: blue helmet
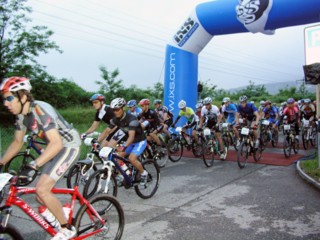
(132, 103)
(97, 96)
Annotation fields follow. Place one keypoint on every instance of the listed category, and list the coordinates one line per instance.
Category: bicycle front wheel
(10, 232)
(175, 150)
(98, 183)
(208, 152)
(286, 147)
(111, 213)
(17, 164)
(150, 188)
(305, 140)
(243, 154)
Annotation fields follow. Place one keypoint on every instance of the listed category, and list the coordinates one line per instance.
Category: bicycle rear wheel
(97, 183)
(243, 154)
(161, 157)
(151, 187)
(10, 232)
(197, 147)
(17, 164)
(109, 210)
(175, 150)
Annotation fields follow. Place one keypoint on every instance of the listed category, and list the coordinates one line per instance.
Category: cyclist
(133, 108)
(262, 106)
(212, 113)
(271, 113)
(292, 114)
(192, 119)
(308, 112)
(129, 125)
(150, 122)
(231, 110)
(199, 106)
(165, 116)
(249, 112)
(103, 113)
(62, 150)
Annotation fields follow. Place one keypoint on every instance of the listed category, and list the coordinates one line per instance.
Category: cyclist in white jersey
(62, 150)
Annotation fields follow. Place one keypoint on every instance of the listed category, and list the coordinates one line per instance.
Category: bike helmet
(96, 97)
(268, 102)
(14, 84)
(290, 100)
(157, 101)
(182, 104)
(207, 100)
(199, 105)
(132, 103)
(144, 101)
(307, 101)
(262, 103)
(226, 99)
(243, 98)
(118, 103)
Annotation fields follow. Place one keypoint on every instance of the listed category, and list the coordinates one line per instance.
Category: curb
(307, 177)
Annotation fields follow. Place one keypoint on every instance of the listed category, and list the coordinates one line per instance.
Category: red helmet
(144, 101)
(268, 102)
(14, 84)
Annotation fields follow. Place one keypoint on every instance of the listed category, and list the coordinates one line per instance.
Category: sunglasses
(9, 98)
(116, 109)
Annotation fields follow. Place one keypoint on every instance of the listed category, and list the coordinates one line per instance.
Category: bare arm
(14, 147)
(93, 127)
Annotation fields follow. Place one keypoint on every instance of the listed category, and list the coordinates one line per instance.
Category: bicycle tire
(109, 209)
(257, 152)
(208, 152)
(286, 147)
(243, 154)
(275, 139)
(225, 143)
(296, 146)
(305, 140)
(197, 147)
(96, 183)
(150, 188)
(17, 165)
(175, 150)
(74, 173)
(161, 158)
(313, 138)
(11, 231)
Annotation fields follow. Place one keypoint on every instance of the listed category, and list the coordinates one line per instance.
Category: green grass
(310, 167)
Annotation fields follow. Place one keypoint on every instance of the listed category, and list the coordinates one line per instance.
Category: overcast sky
(131, 35)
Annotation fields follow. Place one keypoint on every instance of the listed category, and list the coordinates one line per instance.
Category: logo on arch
(186, 31)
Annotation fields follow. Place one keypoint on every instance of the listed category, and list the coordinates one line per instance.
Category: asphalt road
(222, 202)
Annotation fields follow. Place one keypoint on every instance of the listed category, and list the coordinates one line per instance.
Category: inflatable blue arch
(222, 17)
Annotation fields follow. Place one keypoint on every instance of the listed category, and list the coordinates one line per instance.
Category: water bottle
(125, 168)
(66, 209)
(48, 216)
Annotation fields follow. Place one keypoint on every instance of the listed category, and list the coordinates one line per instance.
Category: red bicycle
(100, 217)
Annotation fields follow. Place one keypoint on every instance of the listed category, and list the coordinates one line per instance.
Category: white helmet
(199, 105)
(226, 99)
(118, 103)
(182, 104)
(262, 103)
(207, 100)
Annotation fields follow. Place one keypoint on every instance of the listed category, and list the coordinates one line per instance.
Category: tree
(20, 44)
(110, 86)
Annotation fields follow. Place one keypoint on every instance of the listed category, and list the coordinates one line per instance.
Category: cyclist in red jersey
(292, 113)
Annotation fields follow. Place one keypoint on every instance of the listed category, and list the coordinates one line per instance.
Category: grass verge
(310, 167)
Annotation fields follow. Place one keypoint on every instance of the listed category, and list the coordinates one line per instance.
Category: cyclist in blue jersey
(133, 108)
(271, 113)
(231, 109)
(249, 112)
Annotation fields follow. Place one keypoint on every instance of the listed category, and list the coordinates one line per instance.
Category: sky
(132, 35)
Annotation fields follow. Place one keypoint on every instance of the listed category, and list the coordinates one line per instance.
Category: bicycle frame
(13, 200)
(31, 144)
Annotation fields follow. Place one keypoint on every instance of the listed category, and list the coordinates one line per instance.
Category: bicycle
(228, 135)
(211, 147)
(181, 140)
(290, 142)
(268, 133)
(247, 147)
(83, 169)
(19, 162)
(100, 217)
(309, 134)
(98, 181)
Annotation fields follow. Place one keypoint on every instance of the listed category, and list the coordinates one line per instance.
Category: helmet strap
(22, 104)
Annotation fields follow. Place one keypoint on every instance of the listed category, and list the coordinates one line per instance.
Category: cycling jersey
(231, 110)
(291, 113)
(42, 118)
(136, 111)
(307, 111)
(247, 111)
(211, 115)
(151, 117)
(270, 112)
(105, 114)
(188, 114)
(161, 111)
(125, 123)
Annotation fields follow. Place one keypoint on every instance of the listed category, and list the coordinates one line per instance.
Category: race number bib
(245, 131)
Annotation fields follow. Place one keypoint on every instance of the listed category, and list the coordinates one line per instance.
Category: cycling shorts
(168, 122)
(273, 120)
(59, 165)
(136, 148)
